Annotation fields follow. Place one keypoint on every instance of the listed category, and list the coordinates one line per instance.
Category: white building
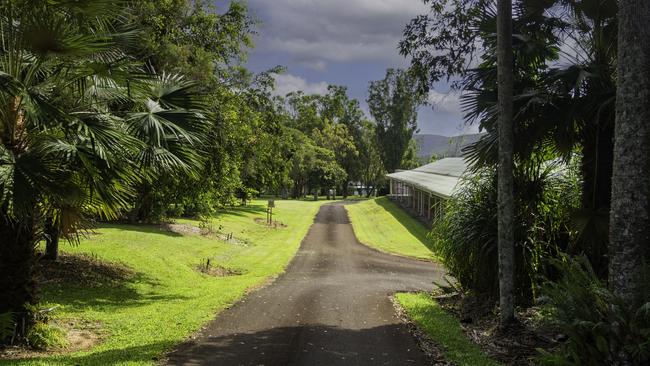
(423, 190)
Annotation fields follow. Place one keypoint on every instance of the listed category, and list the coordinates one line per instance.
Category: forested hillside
(443, 146)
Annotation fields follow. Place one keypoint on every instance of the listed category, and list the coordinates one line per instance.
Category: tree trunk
(505, 188)
(17, 284)
(52, 234)
(596, 170)
(144, 204)
(630, 217)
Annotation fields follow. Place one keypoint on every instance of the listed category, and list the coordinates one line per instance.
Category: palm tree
(560, 109)
(630, 214)
(80, 124)
(505, 167)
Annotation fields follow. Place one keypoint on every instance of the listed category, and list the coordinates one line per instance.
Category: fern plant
(7, 325)
(601, 329)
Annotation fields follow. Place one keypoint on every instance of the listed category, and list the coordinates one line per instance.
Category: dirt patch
(214, 269)
(81, 269)
(80, 335)
(430, 349)
(518, 345)
(274, 224)
(185, 229)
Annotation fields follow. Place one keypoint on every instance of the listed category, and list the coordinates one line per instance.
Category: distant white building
(424, 190)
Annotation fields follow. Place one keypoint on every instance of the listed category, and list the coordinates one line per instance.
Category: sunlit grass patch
(380, 224)
(443, 329)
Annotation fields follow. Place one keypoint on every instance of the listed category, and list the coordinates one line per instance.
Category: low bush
(45, 336)
(466, 237)
(601, 328)
(7, 326)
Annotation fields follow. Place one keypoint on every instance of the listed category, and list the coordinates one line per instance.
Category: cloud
(287, 83)
(445, 102)
(317, 31)
(315, 65)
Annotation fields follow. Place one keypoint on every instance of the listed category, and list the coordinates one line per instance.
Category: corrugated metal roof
(447, 166)
(440, 177)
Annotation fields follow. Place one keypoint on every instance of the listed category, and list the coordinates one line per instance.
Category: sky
(344, 42)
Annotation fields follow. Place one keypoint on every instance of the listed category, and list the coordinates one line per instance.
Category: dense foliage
(564, 101)
(565, 56)
(394, 103)
(466, 237)
(600, 326)
(82, 125)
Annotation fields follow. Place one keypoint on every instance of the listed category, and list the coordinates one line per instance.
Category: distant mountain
(443, 146)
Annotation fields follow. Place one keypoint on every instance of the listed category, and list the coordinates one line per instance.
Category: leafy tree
(338, 107)
(192, 37)
(196, 39)
(78, 123)
(311, 167)
(332, 123)
(393, 103)
(372, 169)
(410, 159)
(566, 107)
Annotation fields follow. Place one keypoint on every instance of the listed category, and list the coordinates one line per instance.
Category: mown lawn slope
(380, 224)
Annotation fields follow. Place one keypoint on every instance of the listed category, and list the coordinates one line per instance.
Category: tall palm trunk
(52, 234)
(505, 185)
(630, 213)
(17, 285)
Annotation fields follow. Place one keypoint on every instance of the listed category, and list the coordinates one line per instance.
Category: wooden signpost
(269, 212)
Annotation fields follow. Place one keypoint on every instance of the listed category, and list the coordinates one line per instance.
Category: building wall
(423, 205)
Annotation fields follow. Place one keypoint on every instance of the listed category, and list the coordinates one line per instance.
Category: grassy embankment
(166, 299)
(443, 329)
(380, 224)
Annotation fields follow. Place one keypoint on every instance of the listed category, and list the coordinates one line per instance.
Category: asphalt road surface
(330, 308)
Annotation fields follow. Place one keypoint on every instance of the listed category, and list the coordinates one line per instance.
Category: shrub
(600, 326)
(7, 326)
(44, 336)
(466, 237)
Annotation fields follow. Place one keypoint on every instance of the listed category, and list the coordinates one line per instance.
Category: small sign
(271, 203)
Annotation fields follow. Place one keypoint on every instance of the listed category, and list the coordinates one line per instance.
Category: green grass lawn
(167, 299)
(380, 224)
(443, 329)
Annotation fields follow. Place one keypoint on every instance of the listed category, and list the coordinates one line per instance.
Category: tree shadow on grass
(148, 353)
(240, 210)
(411, 224)
(140, 228)
(76, 298)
